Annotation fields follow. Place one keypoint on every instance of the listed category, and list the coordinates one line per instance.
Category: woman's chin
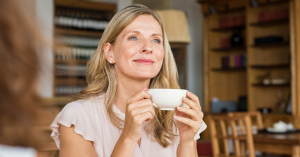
(143, 76)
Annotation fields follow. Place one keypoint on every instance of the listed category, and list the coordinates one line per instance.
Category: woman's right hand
(139, 108)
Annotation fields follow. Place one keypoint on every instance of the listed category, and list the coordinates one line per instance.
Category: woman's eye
(132, 38)
(156, 40)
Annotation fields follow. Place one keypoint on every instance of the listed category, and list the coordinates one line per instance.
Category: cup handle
(153, 103)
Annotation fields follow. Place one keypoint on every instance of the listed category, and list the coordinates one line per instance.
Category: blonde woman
(114, 115)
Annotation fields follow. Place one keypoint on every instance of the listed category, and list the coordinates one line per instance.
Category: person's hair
(101, 76)
(19, 72)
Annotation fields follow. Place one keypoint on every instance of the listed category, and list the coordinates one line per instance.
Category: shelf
(273, 3)
(270, 23)
(97, 6)
(241, 48)
(71, 62)
(227, 29)
(70, 81)
(269, 85)
(228, 69)
(271, 66)
(57, 101)
(232, 10)
(277, 44)
(78, 32)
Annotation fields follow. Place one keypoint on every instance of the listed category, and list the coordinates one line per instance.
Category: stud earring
(110, 62)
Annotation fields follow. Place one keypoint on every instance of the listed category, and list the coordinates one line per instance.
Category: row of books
(84, 20)
(234, 61)
(68, 90)
(77, 41)
(232, 22)
(273, 15)
(70, 71)
(66, 53)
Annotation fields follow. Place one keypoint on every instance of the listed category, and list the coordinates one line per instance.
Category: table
(288, 144)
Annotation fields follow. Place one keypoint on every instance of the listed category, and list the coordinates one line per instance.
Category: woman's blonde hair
(101, 76)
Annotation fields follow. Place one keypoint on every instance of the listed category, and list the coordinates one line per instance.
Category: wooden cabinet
(269, 77)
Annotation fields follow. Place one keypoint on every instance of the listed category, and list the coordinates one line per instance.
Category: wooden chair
(244, 135)
(255, 117)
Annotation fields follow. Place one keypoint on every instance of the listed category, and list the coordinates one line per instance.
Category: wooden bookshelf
(271, 66)
(277, 44)
(269, 85)
(71, 62)
(229, 49)
(228, 69)
(73, 32)
(273, 60)
(77, 39)
(227, 29)
(270, 23)
(88, 5)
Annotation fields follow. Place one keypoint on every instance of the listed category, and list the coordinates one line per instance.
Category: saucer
(276, 130)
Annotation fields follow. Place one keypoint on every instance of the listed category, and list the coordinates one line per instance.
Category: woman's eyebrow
(156, 35)
(138, 32)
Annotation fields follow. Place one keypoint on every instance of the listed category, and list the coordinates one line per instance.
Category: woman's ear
(108, 53)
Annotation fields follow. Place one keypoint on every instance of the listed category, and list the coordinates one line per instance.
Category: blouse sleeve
(202, 128)
(73, 114)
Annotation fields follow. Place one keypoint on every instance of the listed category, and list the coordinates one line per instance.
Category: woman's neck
(126, 88)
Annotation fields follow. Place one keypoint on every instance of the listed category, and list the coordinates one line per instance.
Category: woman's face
(138, 51)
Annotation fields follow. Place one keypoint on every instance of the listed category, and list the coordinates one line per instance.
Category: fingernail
(179, 108)
(176, 117)
(184, 98)
(145, 88)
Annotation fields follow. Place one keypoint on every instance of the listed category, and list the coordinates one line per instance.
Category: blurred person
(19, 100)
(113, 115)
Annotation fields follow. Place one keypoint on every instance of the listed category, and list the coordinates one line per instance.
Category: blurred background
(237, 56)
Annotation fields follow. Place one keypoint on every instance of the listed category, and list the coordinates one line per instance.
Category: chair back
(255, 117)
(241, 135)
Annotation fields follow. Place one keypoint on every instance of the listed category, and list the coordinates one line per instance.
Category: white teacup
(167, 99)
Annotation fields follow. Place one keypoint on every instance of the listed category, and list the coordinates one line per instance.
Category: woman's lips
(144, 61)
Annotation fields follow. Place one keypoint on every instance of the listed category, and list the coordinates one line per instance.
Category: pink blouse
(91, 121)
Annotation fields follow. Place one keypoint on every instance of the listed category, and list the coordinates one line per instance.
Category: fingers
(193, 97)
(143, 109)
(190, 112)
(139, 119)
(138, 104)
(193, 103)
(140, 95)
(194, 125)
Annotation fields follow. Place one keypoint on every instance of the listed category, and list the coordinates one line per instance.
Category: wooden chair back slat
(224, 133)
(235, 140)
(241, 134)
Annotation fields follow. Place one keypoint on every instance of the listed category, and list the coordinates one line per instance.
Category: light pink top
(91, 121)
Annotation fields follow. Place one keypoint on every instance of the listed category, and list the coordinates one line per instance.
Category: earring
(110, 61)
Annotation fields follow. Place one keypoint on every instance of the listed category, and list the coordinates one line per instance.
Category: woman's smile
(144, 61)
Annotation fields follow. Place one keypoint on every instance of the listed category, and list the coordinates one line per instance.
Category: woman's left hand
(189, 120)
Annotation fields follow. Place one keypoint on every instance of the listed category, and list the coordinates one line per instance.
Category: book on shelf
(234, 61)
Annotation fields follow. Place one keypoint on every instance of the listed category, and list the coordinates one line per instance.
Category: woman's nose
(147, 48)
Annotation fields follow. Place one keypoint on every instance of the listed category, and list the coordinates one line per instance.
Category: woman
(114, 116)
(19, 71)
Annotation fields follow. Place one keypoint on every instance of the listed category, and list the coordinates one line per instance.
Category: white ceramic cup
(167, 99)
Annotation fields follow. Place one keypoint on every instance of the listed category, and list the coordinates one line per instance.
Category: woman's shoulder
(91, 103)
